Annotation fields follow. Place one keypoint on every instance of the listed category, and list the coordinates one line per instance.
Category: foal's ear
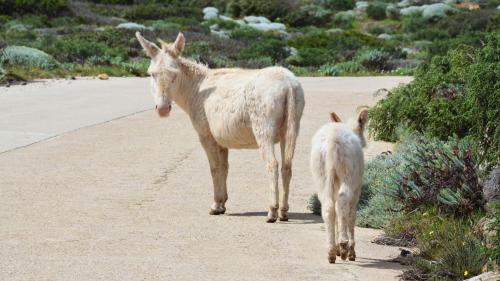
(362, 117)
(151, 49)
(178, 45)
(334, 117)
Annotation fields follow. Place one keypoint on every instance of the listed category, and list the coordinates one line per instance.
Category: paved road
(129, 199)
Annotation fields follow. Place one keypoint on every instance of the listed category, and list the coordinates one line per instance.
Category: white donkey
(337, 167)
(231, 108)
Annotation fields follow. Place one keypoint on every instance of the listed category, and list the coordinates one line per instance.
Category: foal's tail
(294, 107)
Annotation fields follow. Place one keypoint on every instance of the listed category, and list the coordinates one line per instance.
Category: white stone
(412, 10)
(384, 36)
(361, 5)
(210, 15)
(438, 10)
(254, 19)
(210, 10)
(131, 25)
(404, 4)
(268, 26)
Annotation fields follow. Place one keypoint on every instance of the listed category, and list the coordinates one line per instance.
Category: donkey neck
(190, 77)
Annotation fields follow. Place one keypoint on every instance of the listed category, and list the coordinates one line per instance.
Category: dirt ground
(128, 199)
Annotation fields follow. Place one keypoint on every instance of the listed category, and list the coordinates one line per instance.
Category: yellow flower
(425, 214)
(463, 243)
(485, 268)
(431, 232)
(466, 273)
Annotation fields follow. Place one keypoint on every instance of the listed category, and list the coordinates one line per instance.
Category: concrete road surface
(129, 199)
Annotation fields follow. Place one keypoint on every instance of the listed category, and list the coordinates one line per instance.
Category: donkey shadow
(294, 218)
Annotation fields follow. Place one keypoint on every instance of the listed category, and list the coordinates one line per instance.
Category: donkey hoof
(283, 217)
(271, 220)
(217, 212)
(352, 258)
(343, 251)
(331, 259)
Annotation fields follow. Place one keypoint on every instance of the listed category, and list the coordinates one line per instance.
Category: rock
(409, 51)
(210, 10)
(333, 31)
(361, 5)
(222, 17)
(268, 26)
(491, 189)
(450, 2)
(438, 10)
(254, 19)
(487, 276)
(412, 10)
(384, 36)
(210, 15)
(404, 4)
(131, 25)
(103, 76)
(405, 258)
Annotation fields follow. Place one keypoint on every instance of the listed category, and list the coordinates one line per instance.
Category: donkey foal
(337, 168)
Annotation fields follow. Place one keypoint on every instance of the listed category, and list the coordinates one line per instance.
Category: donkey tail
(294, 108)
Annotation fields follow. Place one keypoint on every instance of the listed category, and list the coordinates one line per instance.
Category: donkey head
(164, 70)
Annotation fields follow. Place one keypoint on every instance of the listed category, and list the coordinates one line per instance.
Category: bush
(272, 48)
(376, 10)
(349, 67)
(373, 59)
(448, 250)
(494, 215)
(308, 14)
(435, 173)
(456, 94)
(44, 7)
(271, 9)
(20, 55)
(344, 19)
(154, 11)
(340, 5)
(314, 205)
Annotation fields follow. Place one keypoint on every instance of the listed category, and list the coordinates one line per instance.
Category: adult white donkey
(231, 108)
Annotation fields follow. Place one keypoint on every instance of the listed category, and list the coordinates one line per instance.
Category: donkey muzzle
(163, 110)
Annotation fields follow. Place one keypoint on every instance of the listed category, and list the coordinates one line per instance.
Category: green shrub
(314, 205)
(349, 67)
(44, 7)
(373, 59)
(271, 9)
(272, 48)
(20, 55)
(344, 19)
(494, 215)
(311, 57)
(448, 249)
(454, 94)
(340, 5)
(436, 173)
(154, 11)
(308, 14)
(376, 10)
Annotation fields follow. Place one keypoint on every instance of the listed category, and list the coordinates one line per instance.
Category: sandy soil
(129, 199)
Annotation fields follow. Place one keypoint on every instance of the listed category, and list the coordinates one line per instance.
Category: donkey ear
(179, 43)
(151, 49)
(334, 117)
(362, 117)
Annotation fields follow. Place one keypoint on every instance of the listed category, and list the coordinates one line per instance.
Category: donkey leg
(352, 223)
(267, 150)
(328, 214)
(286, 175)
(217, 158)
(343, 208)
